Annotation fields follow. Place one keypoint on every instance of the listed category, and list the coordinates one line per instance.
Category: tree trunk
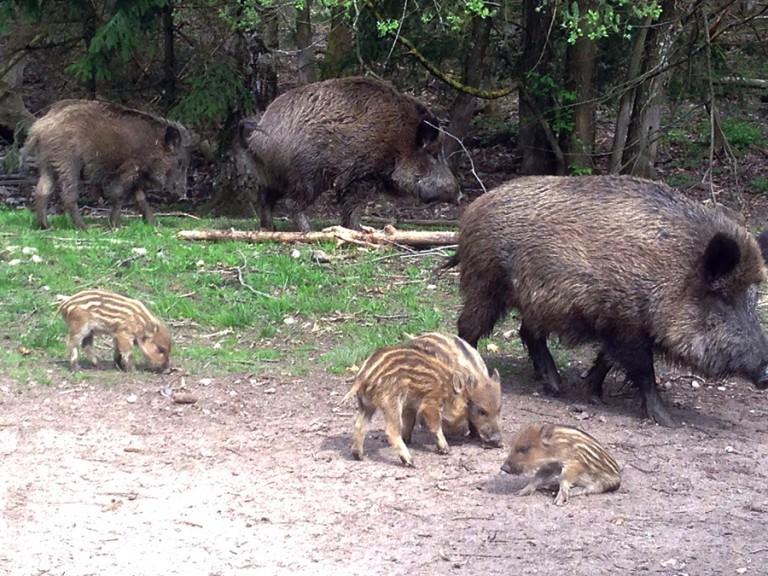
(306, 59)
(624, 114)
(534, 143)
(643, 133)
(169, 60)
(463, 106)
(580, 60)
(15, 119)
(339, 53)
(234, 179)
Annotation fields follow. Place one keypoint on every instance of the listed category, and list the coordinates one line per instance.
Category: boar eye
(482, 411)
(160, 349)
(523, 449)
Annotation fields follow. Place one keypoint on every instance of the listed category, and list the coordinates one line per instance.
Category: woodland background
(662, 89)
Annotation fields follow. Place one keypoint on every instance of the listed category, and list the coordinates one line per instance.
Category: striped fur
(405, 382)
(452, 350)
(482, 391)
(94, 312)
(562, 457)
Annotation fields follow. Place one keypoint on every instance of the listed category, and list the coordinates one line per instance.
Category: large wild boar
(348, 135)
(620, 261)
(121, 150)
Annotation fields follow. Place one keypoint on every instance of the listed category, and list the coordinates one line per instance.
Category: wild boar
(406, 383)
(620, 261)
(563, 458)
(348, 135)
(126, 320)
(120, 150)
(482, 391)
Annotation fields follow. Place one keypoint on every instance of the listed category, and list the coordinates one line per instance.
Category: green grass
(231, 306)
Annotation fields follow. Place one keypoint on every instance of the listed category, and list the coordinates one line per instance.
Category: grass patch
(230, 306)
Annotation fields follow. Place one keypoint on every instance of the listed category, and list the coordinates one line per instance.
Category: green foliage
(545, 86)
(577, 170)
(229, 305)
(211, 95)
(606, 18)
(758, 185)
(743, 135)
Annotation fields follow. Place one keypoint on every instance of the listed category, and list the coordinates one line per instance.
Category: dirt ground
(255, 477)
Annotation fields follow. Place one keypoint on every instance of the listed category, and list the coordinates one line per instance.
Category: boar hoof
(762, 381)
(659, 414)
(357, 455)
(551, 389)
(596, 400)
(407, 462)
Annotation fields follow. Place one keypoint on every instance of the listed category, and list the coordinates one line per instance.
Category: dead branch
(389, 236)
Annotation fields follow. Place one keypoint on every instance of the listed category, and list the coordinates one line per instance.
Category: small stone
(132, 399)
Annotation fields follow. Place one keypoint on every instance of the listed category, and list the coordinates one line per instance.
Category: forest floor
(255, 477)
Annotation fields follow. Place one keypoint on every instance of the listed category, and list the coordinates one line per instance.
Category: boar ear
(172, 138)
(495, 376)
(458, 382)
(721, 257)
(762, 241)
(245, 128)
(428, 131)
(546, 435)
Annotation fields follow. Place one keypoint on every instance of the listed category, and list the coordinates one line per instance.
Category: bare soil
(107, 475)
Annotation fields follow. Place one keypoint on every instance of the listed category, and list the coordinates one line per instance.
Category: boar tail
(28, 150)
(441, 269)
(354, 390)
(451, 262)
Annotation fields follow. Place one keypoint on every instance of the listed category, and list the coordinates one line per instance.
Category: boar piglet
(127, 321)
(628, 264)
(482, 390)
(347, 135)
(120, 150)
(563, 458)
(406, 383)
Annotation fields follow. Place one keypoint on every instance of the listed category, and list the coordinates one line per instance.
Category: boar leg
(546, 478)
(42, 194)
(434, 422)
(636, 357)
(543, 363)
(596, 377)
(409, 421)
(302, 222)
(484, 305)
(146, 211)
(87, 346)
(393, 430)
(364, 414)
(123, 348)
(267, 201)
(350, 208)
(70, 190)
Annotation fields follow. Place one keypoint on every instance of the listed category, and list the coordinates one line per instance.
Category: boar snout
(494, 441)
(509, 468)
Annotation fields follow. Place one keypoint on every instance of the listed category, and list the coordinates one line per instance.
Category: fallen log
(388, 236)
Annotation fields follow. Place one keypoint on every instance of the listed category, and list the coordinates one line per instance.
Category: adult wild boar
(121, 150)
(347, 135)
(620, 261)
